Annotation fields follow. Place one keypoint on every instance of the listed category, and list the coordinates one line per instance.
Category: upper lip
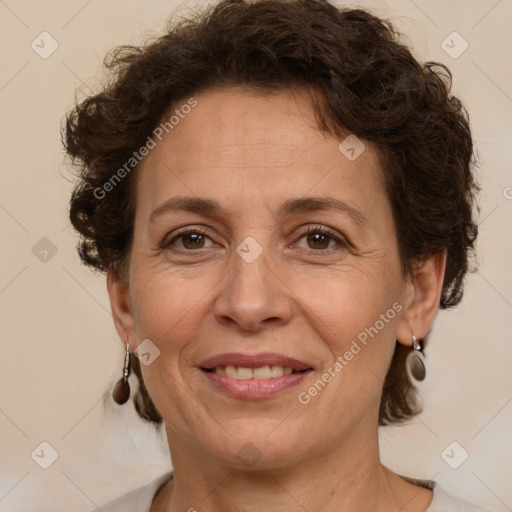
(253, 361)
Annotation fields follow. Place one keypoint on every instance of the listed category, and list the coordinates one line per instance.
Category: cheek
(167, 311)
(168, 308)
(340, 305)
(348, 303)
(355, 315)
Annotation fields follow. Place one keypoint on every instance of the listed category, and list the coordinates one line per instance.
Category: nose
(253, 295)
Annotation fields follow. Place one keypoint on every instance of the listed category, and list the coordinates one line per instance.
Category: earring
(415, 363)
(121, 392)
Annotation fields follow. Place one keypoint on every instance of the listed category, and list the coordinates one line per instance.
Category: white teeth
(230, 371)
(276, 371)
(263, 372)
(243, 373)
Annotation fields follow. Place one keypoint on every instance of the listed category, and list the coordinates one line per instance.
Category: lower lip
(255, 389)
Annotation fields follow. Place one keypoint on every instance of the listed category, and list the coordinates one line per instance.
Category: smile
(254, 383)
(262, 372)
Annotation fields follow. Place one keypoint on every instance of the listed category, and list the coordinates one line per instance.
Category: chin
(260, 448)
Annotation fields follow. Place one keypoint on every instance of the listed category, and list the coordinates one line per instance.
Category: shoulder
(444, 502)
(138, 500)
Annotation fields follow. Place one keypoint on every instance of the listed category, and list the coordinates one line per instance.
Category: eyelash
(311, 229)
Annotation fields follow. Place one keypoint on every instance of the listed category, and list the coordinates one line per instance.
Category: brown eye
(321, 239)
(193, 240)
(318, 240)
(190, 239)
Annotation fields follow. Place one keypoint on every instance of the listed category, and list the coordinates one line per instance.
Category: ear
(121, 307)
(421, 299)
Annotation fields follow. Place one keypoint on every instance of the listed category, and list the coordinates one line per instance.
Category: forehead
(236, 143)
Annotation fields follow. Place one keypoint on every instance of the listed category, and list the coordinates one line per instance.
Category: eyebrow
(212, 208)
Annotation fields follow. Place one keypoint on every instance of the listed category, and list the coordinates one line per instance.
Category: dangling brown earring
(415, 363)
(121, 392)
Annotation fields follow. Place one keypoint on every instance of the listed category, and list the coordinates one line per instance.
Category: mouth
(261, 362)
(259, 373)
(253, 377)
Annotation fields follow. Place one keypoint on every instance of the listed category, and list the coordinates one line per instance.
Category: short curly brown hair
(371, 86)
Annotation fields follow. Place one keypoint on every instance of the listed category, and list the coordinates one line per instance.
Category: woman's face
(248, 279)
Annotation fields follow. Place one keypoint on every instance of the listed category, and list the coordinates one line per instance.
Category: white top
(140, 500)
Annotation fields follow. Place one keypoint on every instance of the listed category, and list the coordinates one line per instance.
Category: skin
(305, 297)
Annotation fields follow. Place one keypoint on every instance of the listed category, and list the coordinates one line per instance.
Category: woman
(281, 197)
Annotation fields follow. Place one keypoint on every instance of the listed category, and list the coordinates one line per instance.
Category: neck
(347, 477)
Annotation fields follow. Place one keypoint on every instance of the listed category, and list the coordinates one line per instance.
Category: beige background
(59, 350)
